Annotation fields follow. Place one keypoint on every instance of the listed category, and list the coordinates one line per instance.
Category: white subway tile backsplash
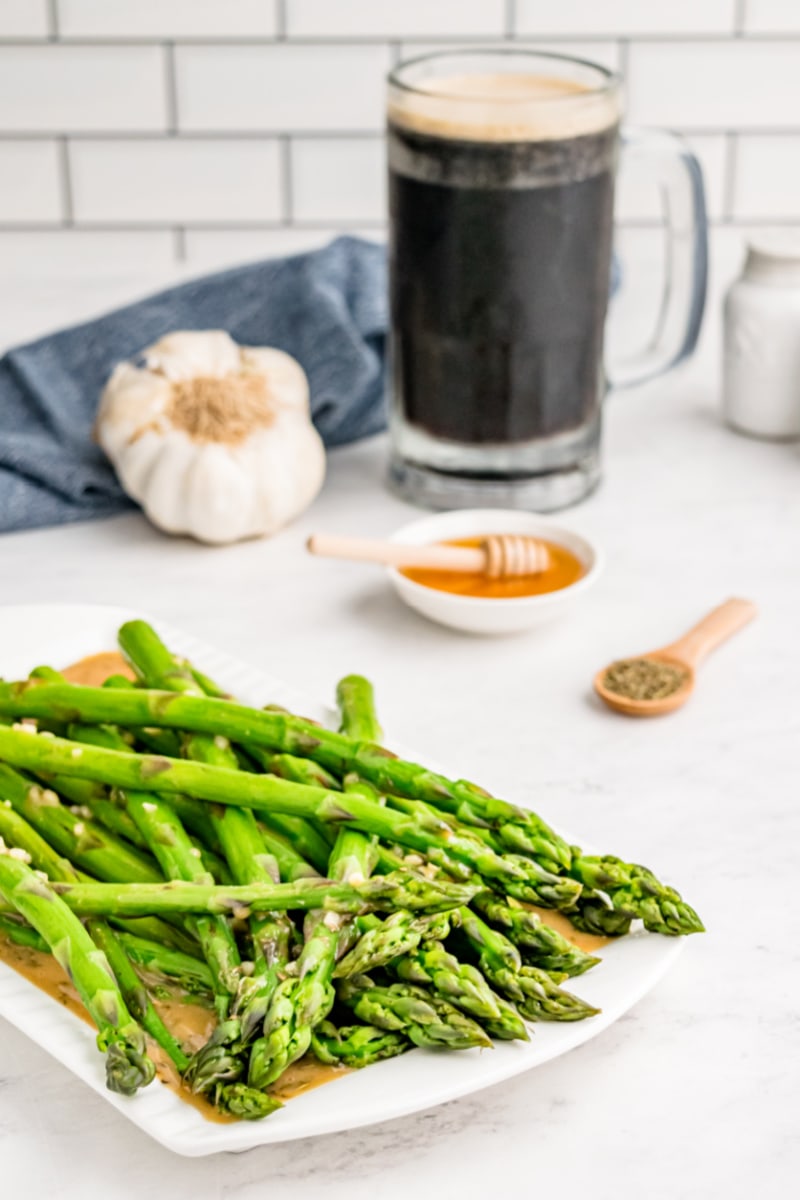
(724, 85)
(767, 178)
(605, 53)
(30, 189)
(772, 16)
(390, 18)
(281, 87)
(639, 196)
(624, 18)
(279, 108)
(59, 252)
(338, 179)
(210, 248)
(167, 18)
(23, 18)
(82, 88)
(171, 181)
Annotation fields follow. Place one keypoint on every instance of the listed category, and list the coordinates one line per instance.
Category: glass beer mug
(501, 186)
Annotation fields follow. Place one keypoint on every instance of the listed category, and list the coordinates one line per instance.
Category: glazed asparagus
(270, 829)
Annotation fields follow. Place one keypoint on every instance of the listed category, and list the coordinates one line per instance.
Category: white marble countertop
(695, 1092)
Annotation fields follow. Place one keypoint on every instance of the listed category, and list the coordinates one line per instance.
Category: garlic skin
(213, 439)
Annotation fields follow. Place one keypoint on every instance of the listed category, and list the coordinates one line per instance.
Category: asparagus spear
(236, 830)
(302, 1003)
(355, 1046)
(635, 889)
(189, 973)
(544, 946)
(159, 668)
(356, 701)
(16, 831)
(135, 993)
(425, 1019)
(76, 838)
(520, 828)
(381, 941)
(127, 1065)
(19, 932)
(180, 860)
(298, 1004)
(458, 982)
(384, 893)
(533, 991)
(518, 876)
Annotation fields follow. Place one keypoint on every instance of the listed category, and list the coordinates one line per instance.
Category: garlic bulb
(211, 438)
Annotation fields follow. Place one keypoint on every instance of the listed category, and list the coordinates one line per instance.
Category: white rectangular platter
(60, 634)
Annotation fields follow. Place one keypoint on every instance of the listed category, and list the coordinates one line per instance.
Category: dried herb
(644, 678)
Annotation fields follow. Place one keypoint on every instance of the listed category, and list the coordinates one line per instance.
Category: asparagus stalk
(381, 941)
(302, 1003)
(384, 893)
(635, 890)
(159, 668)
(425, 1019)
(460, 983)
(355, 1046)
(180, 860)
(526, 831)
(533, 991)
(356, 701)
(16, 831)
(127, 1065)
(518, 828)
(135, 993)
(191, 974)
(518, 876)
(82, 841)
(36, 807)
(236, 829)
(544, 946)
(19, 932)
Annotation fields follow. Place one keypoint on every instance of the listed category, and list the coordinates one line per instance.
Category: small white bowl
(475, 614)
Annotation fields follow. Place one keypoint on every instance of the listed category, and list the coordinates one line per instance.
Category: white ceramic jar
(761, 360)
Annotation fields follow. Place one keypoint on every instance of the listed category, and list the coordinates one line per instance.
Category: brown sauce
(589, 942)
(94, 670)
(564, 570)
(190, 1024)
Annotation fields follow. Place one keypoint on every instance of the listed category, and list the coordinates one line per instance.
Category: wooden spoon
(686, 654)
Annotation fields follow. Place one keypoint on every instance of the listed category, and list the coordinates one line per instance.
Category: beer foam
(504, 107)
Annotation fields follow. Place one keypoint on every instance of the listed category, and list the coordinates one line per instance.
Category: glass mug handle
(679, 177)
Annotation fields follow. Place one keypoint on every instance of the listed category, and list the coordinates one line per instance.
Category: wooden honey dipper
(499, 556)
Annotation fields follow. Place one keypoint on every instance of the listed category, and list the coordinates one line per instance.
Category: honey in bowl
(564, 569)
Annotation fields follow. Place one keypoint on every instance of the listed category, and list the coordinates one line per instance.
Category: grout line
(395, 53)
(213, 135)
(624, 47)
(171, 88)
(739, 18)
(179, 243)
(510, 19)
(729, 179)
(378, 40)
(318, 135)
(65, 182)
(281, 20)
(52, 20)
(287, 180)
(190, 226)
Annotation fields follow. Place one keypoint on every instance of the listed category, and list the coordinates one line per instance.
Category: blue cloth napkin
(327, 308)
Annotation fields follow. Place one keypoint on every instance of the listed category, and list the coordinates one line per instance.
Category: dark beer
(500, 261)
